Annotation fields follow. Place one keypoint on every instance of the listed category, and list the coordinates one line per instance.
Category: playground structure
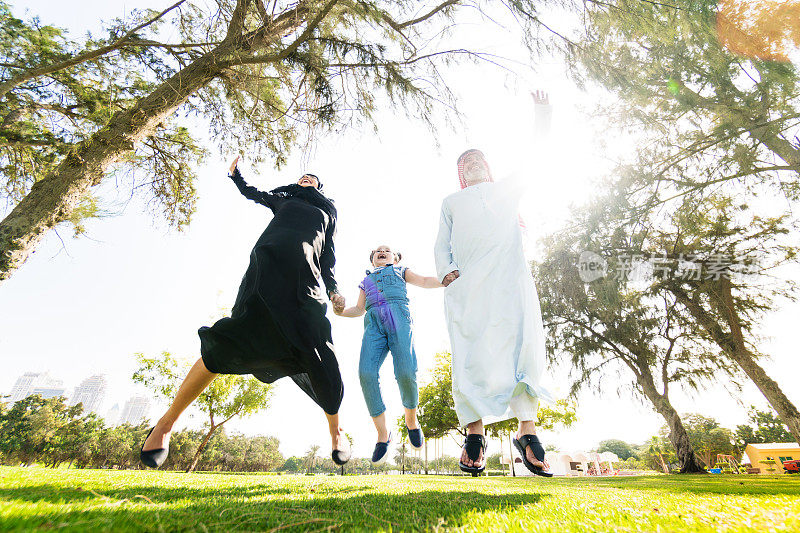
(727, 464)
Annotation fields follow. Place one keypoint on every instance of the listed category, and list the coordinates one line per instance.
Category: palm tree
(656, 448)
(310, 458)
(400, 458)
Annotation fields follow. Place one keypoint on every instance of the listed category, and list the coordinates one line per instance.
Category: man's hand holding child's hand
(450, 278)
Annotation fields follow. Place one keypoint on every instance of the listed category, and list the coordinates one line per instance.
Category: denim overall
(387, 327)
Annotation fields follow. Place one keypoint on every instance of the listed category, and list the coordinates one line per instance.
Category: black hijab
(307, 194)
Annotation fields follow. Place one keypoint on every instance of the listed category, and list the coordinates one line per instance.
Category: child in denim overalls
(387, 327)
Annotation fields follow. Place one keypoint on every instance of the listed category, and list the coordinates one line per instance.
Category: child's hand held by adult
(338, 303)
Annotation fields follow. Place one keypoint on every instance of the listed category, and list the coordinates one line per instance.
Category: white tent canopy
(561, 464)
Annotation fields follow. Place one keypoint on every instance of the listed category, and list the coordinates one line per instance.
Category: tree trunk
(200, 448)
(426, 457)
(772, 392)
(511, 456)
(436, 446)
(778, 146)
(734, 346)
(663, 464)
(753, 123)
(52, 199)
(677, 433)
(744, 358)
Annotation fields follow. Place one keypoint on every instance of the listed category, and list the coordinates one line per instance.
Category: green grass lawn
(100, 500)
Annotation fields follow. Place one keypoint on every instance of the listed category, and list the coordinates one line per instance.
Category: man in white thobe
(492, 308)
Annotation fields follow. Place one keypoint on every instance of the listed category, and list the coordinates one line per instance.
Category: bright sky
(87, 305)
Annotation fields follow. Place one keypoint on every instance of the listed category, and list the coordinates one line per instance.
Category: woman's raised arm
(248, 191)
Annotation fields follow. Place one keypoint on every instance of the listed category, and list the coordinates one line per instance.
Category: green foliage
(712, 155)
(42, 121)
(709, 114)
(226, 397)
(493, 461)
(437, 415)
(770, 464)
(561, 414)
(667, 326)
(436, 411)
(50, 433)
(292, 464)
(617, 331)
(658, 453)
(402, 458)
(708, 438)
(310, 458)
(764, 426)
(265, 79)
(620, 448)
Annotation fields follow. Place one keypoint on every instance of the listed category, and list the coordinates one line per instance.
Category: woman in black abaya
(277, 326)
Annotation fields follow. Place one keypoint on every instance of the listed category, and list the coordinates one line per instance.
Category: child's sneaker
(381, 452)
(416, 438)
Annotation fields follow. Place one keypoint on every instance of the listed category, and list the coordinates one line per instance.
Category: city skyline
(90, 392)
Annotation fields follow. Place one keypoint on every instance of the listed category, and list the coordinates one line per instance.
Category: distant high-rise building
(36, 383)
(112, 416)
(135, 411)
(49, 391)
(23, 386)
(91, 393)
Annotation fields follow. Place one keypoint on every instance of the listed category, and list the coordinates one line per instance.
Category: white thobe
(492, 309)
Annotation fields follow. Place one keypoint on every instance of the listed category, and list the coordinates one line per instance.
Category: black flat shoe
(340, 457)
(416, 438)
(532, 442)
(153, 458)
(474, 444)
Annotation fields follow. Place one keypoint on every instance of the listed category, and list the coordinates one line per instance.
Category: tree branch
(292, 48)
(15, 81)
(398, 26)
(236, 25)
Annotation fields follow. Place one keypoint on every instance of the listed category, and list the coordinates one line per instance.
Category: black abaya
(278, 327)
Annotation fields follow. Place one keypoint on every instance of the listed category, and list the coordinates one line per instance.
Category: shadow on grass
(700, 484)
(50, 494)
(212, 510)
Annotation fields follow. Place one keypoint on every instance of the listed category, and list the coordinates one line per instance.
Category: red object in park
(792, 467)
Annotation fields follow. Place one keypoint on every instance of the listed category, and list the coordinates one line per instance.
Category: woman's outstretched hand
(540, 97)
(234, 164)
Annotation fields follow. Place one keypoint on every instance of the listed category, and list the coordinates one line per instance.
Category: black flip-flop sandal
(153, 458)
(532, 442)
(474, 444)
